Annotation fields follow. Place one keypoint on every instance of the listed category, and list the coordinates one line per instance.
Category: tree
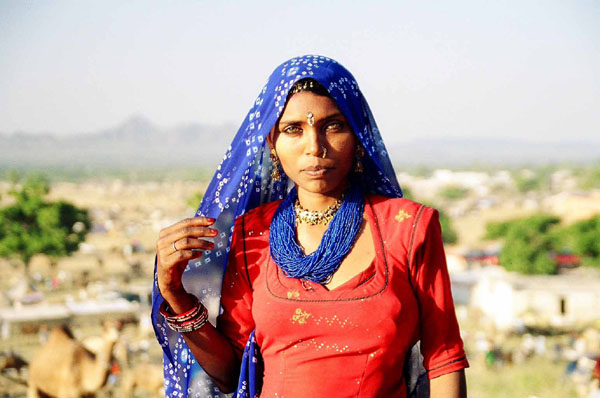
(528, 243)
(453, 192)
(529, 180)
(32, 225)
(584, 238)
(194, 200)
(448, 232)
(589, 177)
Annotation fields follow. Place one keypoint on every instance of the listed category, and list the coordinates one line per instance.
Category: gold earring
(358, 166)
(275, 174)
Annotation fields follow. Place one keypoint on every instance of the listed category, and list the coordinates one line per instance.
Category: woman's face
(316, 152)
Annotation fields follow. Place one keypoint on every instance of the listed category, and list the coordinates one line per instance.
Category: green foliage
(448, 232)
(421, 171)
(527, 184)
(407, 192)
(584, 238)
(194, 200)
(496, 230)
(537, 180)
(528, 243)
(32, 225)
(453, 192)
(589, 177)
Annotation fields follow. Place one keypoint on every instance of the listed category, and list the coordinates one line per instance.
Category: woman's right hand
(176, 245)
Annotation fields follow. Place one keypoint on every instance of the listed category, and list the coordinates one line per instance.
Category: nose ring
(324, 155)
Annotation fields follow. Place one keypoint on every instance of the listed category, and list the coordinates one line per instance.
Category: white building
(510, 299)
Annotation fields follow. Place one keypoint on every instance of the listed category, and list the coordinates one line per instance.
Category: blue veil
(243, 181)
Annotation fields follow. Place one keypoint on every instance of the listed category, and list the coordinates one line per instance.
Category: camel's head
(112, 330)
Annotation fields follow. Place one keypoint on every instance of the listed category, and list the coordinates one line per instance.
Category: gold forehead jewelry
(310, 118)
(302, 86)
(316, 217)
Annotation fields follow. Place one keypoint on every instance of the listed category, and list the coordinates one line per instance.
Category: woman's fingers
(192, 244)
(180, 258)
(186, 233)
(188, 222)
(175, 247)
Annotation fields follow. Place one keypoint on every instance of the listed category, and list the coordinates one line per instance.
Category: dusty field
(119, 254)
(125, 217)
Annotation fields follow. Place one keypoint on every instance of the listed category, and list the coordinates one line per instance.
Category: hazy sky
(526, 69)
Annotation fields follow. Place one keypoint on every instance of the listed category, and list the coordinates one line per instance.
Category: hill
(138, 142)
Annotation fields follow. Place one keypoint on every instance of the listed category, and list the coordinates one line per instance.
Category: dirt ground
(119, 254)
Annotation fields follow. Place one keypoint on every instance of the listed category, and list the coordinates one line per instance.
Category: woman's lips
(316, 171)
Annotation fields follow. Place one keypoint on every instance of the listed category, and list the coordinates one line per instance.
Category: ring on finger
(175, 247)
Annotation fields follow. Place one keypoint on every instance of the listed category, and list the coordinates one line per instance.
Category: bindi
(310, 119)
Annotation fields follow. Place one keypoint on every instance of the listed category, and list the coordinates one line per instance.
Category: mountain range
(139, 142)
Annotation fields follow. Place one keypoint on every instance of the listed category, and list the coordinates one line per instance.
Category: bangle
(192, 319)
(170, 316)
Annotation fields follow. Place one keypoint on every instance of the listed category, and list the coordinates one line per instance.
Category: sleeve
(441, 344)
(235, 321)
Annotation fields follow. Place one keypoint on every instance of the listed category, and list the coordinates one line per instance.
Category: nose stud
(310, 119)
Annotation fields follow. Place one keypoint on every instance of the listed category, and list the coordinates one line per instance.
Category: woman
(338, 278)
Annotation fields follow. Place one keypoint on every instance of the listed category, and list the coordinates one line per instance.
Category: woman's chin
(322, 187)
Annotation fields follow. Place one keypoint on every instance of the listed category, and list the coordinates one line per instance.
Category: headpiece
(243, 181)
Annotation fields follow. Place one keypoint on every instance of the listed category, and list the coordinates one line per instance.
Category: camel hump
(63, 330)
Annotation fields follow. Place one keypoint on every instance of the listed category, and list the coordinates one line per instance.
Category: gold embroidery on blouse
(293, 294)
(327, 347)
(300, 316)
(333, 321)
(402, 215)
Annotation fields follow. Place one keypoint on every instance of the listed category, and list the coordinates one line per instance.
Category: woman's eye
(292, 130)
(334, 126)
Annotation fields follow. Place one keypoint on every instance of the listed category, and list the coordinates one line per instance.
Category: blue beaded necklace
(336, 243)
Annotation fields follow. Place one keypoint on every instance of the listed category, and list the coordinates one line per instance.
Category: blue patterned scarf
(243, 181)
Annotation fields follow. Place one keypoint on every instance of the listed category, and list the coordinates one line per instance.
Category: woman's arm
(177, 245)
(451, 385)
(441, 343)
(211, 349)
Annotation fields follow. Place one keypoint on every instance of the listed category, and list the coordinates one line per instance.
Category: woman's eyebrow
(300, 120)
(290, 121)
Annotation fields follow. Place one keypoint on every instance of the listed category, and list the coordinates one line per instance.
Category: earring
(275, 173)
(358, 166)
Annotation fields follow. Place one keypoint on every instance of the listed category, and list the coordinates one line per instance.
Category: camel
(145, 377)
(12, 360)
(94, 345)
(64, 368)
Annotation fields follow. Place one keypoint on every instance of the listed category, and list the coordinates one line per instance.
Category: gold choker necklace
(316, 217)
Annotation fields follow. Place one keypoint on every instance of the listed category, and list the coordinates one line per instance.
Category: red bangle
(167, 312)
(192, 319)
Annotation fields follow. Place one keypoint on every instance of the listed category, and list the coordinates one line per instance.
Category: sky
(479, 69)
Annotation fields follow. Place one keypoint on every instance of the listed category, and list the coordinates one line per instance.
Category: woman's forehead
(301, 103)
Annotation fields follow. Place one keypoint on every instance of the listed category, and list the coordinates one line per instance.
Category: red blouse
(350, 341)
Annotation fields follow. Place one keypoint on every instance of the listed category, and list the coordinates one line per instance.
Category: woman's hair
(310, 85)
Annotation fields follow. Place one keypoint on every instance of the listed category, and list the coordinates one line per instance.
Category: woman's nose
(314, 145)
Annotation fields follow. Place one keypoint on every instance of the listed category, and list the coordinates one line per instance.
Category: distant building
(510, 300)
(13, 319)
